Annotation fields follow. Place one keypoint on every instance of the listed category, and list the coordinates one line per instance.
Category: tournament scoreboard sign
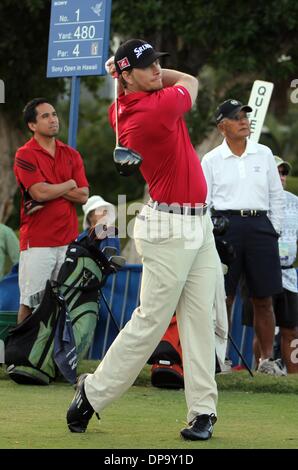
(79, 37)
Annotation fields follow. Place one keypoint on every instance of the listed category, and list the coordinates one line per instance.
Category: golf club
(240, 355)
(126, 160)
(110, 311)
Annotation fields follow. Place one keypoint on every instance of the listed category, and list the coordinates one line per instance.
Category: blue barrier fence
(9, 291)
(241, 335)
(122, 292)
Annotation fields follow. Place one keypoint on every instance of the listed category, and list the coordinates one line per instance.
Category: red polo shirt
(152, 123)
(56, 224)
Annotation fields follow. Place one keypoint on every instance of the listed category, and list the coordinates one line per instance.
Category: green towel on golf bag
(29, 348)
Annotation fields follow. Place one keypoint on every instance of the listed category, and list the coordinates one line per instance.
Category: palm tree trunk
(9, 141)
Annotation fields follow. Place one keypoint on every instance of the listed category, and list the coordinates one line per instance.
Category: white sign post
(259, 101)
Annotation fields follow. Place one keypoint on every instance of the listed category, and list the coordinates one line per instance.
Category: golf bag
(166, 360)
(225, 250)
(167, 369)
(61, 328)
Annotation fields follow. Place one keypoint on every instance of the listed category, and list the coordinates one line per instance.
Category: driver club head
(126, 160)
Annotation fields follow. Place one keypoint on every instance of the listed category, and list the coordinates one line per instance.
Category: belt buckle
(242, 213)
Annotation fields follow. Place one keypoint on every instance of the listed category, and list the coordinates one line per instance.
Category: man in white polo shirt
(244, 185)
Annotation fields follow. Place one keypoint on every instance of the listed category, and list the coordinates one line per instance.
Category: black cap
(135, 53)
(229, 109)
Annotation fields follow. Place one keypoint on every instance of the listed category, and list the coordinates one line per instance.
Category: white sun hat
(96, 202)
(279, 161)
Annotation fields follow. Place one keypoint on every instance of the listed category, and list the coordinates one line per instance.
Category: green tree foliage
(227, 44)
(24, 32)
(241, 41)
(24, 36)
(237, 36)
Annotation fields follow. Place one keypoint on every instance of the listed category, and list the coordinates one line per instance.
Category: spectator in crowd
(285, 304)
(173, 234)
(9, 247)
(100, 215)
(244, 185)
(52, 180)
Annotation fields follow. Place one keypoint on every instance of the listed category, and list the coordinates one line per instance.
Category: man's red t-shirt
(152, 124)
(56, 224)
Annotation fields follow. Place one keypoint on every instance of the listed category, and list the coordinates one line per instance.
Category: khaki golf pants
(179, 274)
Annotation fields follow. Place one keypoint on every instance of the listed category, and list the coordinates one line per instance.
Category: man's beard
(54, 133)
(156, 88)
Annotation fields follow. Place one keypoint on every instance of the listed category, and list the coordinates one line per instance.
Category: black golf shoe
(80, 411)
(200, 429)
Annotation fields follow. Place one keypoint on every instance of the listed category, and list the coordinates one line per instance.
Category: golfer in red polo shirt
(173, 235)
(52, 179)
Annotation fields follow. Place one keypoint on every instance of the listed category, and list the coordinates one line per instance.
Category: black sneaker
(200, 429)
(80, 411)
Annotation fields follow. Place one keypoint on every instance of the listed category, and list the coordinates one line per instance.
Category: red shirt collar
(135, 96)
(33, 144)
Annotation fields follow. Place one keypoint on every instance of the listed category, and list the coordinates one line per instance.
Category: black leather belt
(175, 209)
(242, 212)
(287, 267)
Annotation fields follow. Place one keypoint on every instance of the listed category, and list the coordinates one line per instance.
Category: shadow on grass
(235, 381)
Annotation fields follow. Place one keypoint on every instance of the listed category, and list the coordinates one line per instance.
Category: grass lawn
(253, 413)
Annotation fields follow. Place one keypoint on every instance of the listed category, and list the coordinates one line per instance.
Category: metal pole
(74, 111)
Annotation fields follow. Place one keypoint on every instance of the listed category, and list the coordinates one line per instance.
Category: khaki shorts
(36, 266)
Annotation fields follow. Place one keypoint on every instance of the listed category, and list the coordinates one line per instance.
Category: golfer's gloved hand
(110, 67)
